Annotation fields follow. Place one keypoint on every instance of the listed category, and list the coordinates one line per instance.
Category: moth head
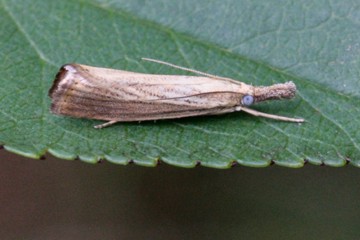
(274, 92)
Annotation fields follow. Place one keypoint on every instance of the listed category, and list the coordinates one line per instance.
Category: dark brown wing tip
(54, 108)
(60, 76)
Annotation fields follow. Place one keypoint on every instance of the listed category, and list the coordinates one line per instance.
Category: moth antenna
(266, 115)
(188, 69)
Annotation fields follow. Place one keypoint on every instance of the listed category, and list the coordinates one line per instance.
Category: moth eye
(247, 100)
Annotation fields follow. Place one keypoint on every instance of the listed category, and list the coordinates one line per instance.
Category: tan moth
(121, 96)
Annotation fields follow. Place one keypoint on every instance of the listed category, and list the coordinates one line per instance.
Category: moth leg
(266, 115)
(105, 124)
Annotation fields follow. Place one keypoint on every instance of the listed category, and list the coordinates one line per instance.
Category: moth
(83, 91)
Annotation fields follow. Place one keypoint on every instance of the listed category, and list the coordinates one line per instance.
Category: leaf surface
(315, 45)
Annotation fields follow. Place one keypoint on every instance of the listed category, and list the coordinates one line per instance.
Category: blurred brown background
(59, 199)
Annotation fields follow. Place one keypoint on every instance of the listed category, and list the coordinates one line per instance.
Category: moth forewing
(112, 95)
(121, 96)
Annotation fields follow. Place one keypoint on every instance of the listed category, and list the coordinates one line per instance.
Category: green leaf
(315, 44)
